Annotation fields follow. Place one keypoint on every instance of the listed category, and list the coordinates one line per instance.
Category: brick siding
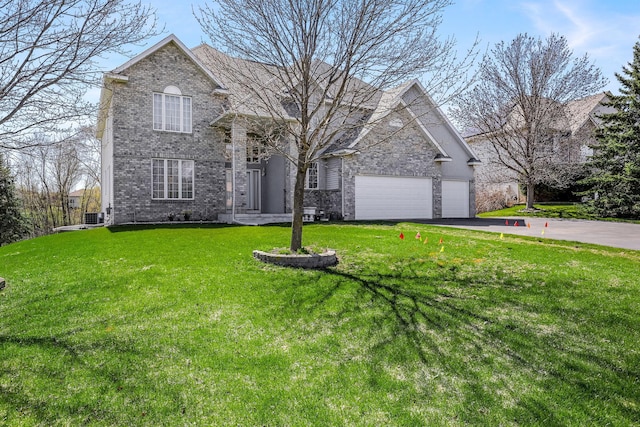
(135, 142)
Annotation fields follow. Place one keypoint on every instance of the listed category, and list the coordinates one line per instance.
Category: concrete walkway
(76, 227)
(614, 234)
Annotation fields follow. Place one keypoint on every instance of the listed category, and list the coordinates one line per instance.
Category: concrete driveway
(614, 234)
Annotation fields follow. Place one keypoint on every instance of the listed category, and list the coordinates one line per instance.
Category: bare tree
(88, 150)
(65, 171)
(38, 197)
(311, 73)
(48, 58)
(49, 169)
(518, 104)
(88, 153)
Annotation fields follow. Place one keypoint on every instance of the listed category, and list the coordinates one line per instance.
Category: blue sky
(606, 30)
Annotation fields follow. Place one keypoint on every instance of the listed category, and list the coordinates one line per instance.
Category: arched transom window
(171, 111)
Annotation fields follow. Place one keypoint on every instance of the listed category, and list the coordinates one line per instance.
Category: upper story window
(172, 111)
(311, 182)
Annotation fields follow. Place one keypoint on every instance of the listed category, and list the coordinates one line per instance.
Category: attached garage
(392, 197)
(455, 199)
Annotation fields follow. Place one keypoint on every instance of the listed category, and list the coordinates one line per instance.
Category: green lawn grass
(180, 326)
(551, 210)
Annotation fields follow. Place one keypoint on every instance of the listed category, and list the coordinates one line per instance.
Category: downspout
(342, 184)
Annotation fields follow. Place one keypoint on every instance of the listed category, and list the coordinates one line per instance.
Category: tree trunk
(298, 207)
(530, 195)
(64, 205)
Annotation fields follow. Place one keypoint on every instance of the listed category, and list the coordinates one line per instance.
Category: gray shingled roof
(368, 105)
(248, 100)
(570, 117)
(582, 110)
(245, 99)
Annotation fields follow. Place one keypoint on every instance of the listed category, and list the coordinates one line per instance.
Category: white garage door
(387, 197)
(455, 199)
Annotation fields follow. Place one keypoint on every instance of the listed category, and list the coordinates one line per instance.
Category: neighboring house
(75, 199)
(573, 134)
(176, 140)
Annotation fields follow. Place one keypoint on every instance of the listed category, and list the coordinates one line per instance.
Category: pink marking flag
(418, 237)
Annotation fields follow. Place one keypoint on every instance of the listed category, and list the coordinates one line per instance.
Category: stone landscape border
(323, 260)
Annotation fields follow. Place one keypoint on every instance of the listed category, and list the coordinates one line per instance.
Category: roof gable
(169, 39)
(117, 76)
(582, 111)
(395, 98)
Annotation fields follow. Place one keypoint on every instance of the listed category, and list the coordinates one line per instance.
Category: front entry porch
(255, 218)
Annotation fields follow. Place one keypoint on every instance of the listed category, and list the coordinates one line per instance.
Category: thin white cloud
(568, 18)
(606, 36)
(581, 24)
(582, 30)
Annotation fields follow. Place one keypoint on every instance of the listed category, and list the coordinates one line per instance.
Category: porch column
(239, 165)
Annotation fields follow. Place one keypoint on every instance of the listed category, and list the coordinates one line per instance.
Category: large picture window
(172, 179)
(171, 111)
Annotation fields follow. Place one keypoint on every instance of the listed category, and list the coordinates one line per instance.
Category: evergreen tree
(12, 223)
(614, 180)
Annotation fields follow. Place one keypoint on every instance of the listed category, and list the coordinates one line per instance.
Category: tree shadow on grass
(55, 380)
(491, 339)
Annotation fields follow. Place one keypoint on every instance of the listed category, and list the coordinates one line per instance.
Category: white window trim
(172, 91)
(256, 150)
(306, 179)
(166, 183)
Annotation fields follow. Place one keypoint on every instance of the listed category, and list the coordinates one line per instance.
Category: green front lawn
(551, 210)
(545, 210)
(180, 326)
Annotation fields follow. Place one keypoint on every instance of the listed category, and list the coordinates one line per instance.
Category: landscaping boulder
(323, 260)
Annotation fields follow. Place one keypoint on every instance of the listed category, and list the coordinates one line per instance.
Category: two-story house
(176, 141)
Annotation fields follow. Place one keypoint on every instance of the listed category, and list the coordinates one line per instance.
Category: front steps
(255, 219)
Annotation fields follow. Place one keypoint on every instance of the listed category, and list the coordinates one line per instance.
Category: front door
(253, 190)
